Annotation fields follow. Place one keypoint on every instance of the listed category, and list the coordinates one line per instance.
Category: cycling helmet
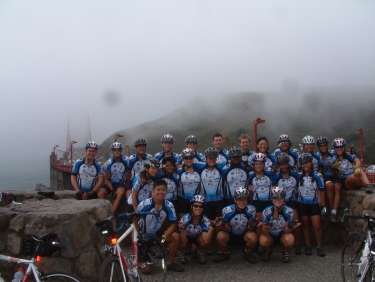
(116, 145)
(167, 138)
(187, 152)
(308, 139)
(321, 140)
(198, 199)
(140, 141)
(283, 138)
(241, 193)
(191, 139)
(211, 153)
(92, 144)
(282, 158)
(278, 193)
(235, 151)
(259, 157)
(338, 142)
(305, 157)
(151, 163)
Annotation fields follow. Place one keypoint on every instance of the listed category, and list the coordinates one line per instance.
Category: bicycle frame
(368, 255)
(31, 266)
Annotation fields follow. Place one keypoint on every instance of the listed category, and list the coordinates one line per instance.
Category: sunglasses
(188, 158)
(198, 206)
(340, 147)
(117, 150)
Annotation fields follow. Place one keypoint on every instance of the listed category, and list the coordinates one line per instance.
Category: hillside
(333, 113)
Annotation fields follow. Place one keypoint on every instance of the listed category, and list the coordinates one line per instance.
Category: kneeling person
(277, 225)
(237, 219)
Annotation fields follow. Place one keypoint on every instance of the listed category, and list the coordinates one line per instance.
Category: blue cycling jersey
(137, 165)
(198, 158)
(327, 162)
(211, 183)
(117, 170)
(309, 187)
(223, 156)
(289, 184)
(172, 185)
(161, 155)
(144, 191)
(317, 161)
(262, 186)
(347, 165)
(193, 230)
(293, 157)
(87, 176)
(233, 177)
(238, 219)
(277, 224)
(270, 161)
(189, 182)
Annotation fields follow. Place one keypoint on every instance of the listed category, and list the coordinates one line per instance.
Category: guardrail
(371, 177)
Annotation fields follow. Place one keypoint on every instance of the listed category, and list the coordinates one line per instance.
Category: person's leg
(251, 239)
(315, 221)
(222, 239)
(287, 240)
(330, 193)
(305, 229)
(356, 181)
(265, 241)
(120, 193)
(102, 193)
(173, 244)
(337, 197)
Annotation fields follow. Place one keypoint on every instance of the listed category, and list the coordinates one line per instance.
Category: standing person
(195, 228)
(349, 168)
(237, 229)
(135, 161)
(277, 225)
(146, 224)
(244, 142)
(260, 184)
(287, 179)
(262, 147)
(331, 183)
(114, 176)
(189, 179)
(285, 142)
(308, 143)
(87, 176)
(167, 141)
(143, 185)
(192, 143)
(352, 150)
(311, 202)
(217, 141)
(234, 175)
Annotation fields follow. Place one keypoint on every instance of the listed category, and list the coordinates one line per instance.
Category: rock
(88, 266)
(17, 223)
(14, 243)
(368, 203)
(80, 232)
(55, 264)
(101, 214)
(2, 246)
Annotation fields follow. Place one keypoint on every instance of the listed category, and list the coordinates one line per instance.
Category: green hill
(333, 113)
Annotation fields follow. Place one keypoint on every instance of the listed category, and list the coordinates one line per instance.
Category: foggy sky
(128, 62)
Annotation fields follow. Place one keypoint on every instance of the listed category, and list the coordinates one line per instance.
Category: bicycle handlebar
(347, 216)
(130, 217)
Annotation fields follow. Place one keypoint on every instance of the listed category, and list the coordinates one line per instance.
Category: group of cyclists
(236, 197)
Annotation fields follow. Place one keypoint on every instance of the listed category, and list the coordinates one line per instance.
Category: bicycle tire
(110, 271)
(60, 276)
(157, 254)
(351, 257)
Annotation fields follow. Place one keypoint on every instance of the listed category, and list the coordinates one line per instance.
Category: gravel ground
(300, 268)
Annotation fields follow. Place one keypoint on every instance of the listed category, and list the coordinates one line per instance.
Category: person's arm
(322, 199)
(135, 199)
(73, 180)
(98, 184)
(207, 236)
(172, 228)
(107, 179)
(251, 193)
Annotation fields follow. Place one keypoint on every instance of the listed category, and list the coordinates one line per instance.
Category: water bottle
(18, 276)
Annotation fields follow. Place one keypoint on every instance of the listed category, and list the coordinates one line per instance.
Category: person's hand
(336, 165)
(85, 196)
(323, 210)
(181, 226)
(357, 170)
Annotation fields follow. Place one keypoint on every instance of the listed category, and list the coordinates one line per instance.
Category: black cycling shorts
(237, 240)
(213, 209)
(261, 205)
(115, 187)
(292, 204)
(331, 178)
(308, 209)
(228, 202)
(183, 205)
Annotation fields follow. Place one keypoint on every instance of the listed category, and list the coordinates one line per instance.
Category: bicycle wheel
(370, 275)
(351, 257)
(111, 270)
(61, 276)
(155, 255)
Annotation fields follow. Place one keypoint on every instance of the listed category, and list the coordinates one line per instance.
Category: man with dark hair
(217, 141)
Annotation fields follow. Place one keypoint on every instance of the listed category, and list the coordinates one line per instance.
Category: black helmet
(140, 141)
(191, 139)
(235, 151)
(283, 138)
(305, 157)
(282, 158)
(321, 140)
(211, 153)
(151, 163)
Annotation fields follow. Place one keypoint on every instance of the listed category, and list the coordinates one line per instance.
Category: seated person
(277, 225)
(195, 228)
(234, 227)
(145, 224)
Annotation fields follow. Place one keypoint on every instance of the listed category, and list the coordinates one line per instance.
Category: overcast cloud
(127, 62)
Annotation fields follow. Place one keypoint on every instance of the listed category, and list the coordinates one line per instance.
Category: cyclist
(308, 143)
(169, 175)
(192, 143)
(262, 147)
(331, 183)
(87, 176)
(167, 141)
(114, 176)
(217, 141)
(145, 224)
(234, 175)
(189, 179)
(195, 228)
(277, 225)
(260, 184)
(284, 142)
(142, 189)
(287, 179)
(244, 142)
(349, 168)
(310, 197)
(235, 228)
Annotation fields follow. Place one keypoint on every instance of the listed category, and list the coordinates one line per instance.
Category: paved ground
(300, 268)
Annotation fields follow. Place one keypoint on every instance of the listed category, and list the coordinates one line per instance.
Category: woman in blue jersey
(195, 228)
(349, 168)
(308, 143)
(262, 147)
(260, 184)
(311, 202)
(285, 142)
(189, 179)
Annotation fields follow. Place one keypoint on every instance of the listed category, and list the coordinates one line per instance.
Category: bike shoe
(183, 259)
(286, 258)
(250, 257)
(298, 250)
(308, 250)
(266, 255)
(175, 267)
(221, 257)
(209, 251)
(369, 188)
(320, 252)
(201, 258)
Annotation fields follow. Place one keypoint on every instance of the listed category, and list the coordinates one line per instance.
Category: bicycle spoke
(110, 271)
(351, 258)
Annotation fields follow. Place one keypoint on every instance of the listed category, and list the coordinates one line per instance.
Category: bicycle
(357, 258)
(147, 249)
(40, 245)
